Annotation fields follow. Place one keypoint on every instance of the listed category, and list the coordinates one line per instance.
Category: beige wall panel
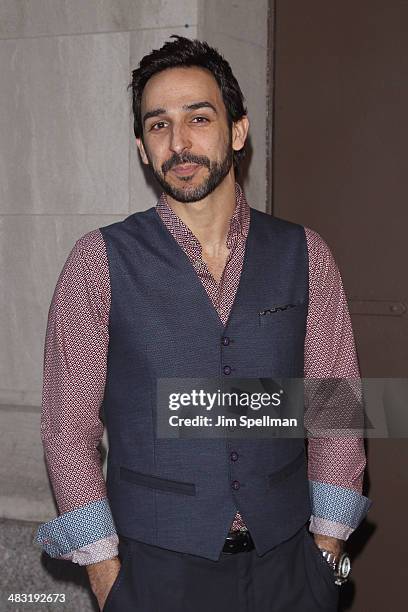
(49, 17)
(25, 492)
(143, 188)
(240, 32)
(248, 62)
(33, 250)
(242, 20)
(24, 488)
(64, 124)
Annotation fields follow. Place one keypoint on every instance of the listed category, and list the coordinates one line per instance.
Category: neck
(209, 218)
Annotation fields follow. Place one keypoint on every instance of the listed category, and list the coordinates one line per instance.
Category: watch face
(344, 566)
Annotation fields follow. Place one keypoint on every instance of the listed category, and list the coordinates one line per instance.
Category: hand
(333, 545)
(101, 576)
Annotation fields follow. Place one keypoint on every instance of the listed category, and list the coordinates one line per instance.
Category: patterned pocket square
(276, 308)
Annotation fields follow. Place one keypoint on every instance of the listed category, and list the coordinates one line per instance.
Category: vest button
(225, 340)
(235, 485)
(227, 370)
(234, 456)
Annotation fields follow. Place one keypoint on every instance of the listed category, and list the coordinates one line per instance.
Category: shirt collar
(238, 228)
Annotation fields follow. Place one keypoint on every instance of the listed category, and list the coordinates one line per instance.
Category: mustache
(186, 158)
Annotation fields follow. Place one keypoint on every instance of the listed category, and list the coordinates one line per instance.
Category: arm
(74, 379)
(335, 465)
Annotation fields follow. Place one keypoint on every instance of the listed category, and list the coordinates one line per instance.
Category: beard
(217, 171)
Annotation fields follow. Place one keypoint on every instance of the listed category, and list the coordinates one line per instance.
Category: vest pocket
(287, 470)
(155, 482)
(281, 313)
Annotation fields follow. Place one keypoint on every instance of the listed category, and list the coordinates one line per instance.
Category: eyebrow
(156, 112)
(197, 105)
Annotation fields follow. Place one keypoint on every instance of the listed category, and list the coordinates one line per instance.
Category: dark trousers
(293, 577)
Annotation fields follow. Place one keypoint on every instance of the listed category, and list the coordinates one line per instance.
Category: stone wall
(69, 164)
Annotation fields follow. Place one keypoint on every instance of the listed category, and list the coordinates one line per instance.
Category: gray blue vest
(182, 494)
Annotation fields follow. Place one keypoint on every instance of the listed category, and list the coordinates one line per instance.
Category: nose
(179, 140)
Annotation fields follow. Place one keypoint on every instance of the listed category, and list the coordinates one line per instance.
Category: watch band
(330, 558)
(341, 566)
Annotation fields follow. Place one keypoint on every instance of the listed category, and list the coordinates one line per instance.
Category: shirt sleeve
(335, 464)
(75, 361)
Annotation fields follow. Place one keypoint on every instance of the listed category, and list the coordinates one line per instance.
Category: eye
(200, 119)
(157, 126)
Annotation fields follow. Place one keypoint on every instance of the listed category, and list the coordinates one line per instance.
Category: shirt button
(234, 456)
(235, 485)
(225, 340)
(227, 370)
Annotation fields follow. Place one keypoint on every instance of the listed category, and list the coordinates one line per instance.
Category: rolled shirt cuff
(330, 528)
(77, 529)
(338, 504)
(104, 549)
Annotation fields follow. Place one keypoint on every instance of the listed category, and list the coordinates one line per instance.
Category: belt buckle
(239, 541)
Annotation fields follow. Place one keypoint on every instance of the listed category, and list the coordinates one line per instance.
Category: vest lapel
(187, 268)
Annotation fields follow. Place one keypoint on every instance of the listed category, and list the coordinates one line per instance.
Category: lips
(185, 169)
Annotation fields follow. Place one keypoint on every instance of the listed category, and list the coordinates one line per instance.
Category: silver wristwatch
(341, 567)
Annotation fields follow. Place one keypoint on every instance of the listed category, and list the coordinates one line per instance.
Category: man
(201, 285)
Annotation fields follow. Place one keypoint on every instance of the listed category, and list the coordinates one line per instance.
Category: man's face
(186, 137)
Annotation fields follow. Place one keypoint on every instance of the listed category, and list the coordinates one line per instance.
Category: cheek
(223, 138)
(211, 145)
(157, 153)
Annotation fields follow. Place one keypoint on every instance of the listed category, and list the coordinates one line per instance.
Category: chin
(188, 188)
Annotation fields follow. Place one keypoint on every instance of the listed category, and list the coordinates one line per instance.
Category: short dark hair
(184, 52)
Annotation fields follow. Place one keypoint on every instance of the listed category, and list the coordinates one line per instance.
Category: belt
(238, 541)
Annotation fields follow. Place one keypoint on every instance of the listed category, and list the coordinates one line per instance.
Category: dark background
(339, 166)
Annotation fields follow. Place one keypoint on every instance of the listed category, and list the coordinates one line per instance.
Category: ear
(142, 151)
(239, 132)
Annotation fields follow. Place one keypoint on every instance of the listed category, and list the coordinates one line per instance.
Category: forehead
(174, 87)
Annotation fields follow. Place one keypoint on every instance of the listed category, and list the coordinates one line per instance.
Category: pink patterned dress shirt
(75, 362)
